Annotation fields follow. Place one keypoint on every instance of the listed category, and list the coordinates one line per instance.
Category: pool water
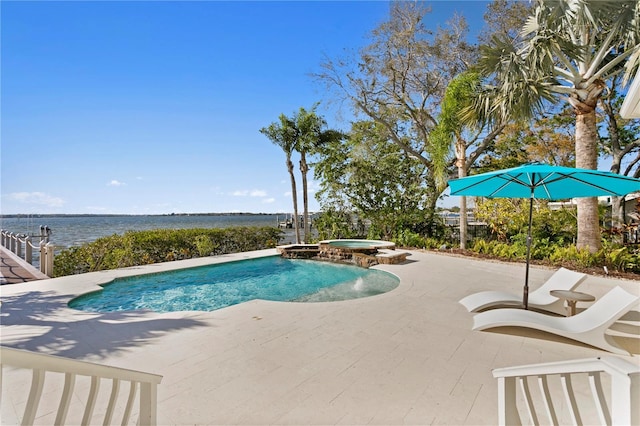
(208, 288)
(356, 244)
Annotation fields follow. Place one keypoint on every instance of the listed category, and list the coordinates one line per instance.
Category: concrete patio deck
(405, 357)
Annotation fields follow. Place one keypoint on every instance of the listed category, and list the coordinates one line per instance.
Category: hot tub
(355, 245)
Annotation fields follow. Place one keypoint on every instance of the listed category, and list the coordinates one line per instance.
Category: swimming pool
(208, 288)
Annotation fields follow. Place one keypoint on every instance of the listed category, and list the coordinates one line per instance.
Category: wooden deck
(15, 270)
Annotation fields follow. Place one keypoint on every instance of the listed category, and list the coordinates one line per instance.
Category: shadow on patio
(41, 322)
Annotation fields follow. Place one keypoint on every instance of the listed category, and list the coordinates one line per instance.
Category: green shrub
(619, 258)
(571, 255)
(145, 247)
(406, 238)
(542, 249)
(508, 218)
(205, 245)
(432, 243)
(614, 257)
(335, 224)
(480, 246)
(506, 251)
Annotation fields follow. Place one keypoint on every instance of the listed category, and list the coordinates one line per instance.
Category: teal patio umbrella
(543, 181)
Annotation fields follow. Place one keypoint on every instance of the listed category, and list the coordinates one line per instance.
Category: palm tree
(310, 135)
(308, 127)
(284, 134)
(463, 136)
(568, 51)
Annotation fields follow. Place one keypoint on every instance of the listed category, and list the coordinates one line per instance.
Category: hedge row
(611, 256)
(145, 247)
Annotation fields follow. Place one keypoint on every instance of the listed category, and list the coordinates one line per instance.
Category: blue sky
(155, 107)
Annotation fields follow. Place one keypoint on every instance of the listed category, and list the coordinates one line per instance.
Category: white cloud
(249, 193)
(39, 198)
(269, 201)
(116, 183)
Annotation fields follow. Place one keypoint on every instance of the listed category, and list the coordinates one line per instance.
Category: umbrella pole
(525, 297)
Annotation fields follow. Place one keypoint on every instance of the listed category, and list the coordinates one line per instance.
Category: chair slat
(33, 401)
(132, 396)
(546, 398)
(529, 401)
(599, 399)
(570, 396)
(91, 400)
(65, 399)
(115, 387)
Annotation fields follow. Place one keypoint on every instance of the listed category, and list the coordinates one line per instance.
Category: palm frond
(565, 46)
(632, 65)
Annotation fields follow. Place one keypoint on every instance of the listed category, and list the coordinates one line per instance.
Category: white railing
(23, 246)
(77, 395)
(558, 385)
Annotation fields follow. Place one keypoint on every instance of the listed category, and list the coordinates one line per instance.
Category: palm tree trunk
(617, 212)
(587, 158)
(430, 203)
(617, 155)
(294, 194)
(304, 169)
(462, 172)
(617, 219)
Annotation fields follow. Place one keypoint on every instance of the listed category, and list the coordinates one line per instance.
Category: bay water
(75, 230)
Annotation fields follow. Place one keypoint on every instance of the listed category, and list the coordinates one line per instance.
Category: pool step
(391, 257)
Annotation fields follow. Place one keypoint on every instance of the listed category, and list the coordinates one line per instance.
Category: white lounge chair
(562, 279)
(589, 326)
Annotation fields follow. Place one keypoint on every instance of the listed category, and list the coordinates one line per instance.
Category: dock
(15, 270)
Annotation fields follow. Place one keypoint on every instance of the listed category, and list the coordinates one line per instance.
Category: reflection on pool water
(208, 288)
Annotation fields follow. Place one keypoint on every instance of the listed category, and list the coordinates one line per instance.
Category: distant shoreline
(76, 229)
(35, 215)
